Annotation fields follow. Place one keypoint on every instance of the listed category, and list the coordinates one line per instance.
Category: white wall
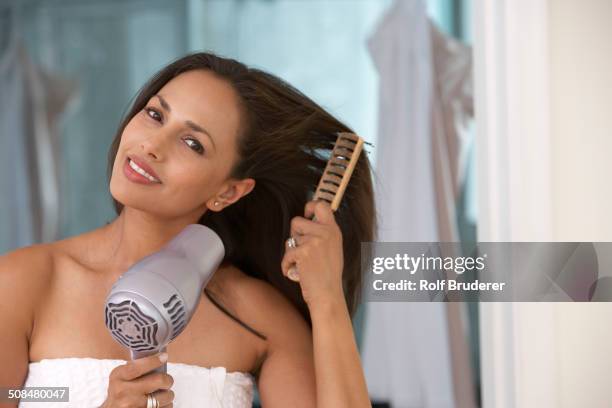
(581, 105)
(581, 112)
(544, 127)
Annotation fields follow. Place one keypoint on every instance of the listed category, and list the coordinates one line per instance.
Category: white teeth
(141, 171)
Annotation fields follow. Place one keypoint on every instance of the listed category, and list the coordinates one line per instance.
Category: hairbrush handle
(334, 179)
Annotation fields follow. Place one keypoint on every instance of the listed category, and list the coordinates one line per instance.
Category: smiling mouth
(142, 176)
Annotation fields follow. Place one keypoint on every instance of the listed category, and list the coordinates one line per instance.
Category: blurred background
(490, 120)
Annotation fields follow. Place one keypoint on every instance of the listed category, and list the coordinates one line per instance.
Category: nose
(153, 145)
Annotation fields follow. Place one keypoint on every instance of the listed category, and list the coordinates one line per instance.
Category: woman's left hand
(318, 256)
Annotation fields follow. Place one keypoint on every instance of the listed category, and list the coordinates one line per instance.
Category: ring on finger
(152, 402)
(292, 242)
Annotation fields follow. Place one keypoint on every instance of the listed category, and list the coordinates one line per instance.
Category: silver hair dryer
(152, 302)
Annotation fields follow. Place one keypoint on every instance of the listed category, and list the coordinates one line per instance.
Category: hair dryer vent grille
(176, 310)
(130, 326)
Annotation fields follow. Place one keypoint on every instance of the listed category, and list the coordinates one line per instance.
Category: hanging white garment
(407, 346)
(452, 110)
(30, 108)
(452, 107)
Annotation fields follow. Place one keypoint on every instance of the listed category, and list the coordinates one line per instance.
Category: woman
(238, 150)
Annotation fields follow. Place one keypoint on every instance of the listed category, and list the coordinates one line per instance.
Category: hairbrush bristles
(339, 169)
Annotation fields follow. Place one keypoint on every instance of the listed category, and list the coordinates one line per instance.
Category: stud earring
(216, 203)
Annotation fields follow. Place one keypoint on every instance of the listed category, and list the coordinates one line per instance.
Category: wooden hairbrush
(339, 169)
(335, 178)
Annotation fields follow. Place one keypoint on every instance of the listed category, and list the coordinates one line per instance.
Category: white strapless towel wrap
(87, 379)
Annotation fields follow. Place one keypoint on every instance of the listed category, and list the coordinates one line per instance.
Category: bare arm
(317, 260)
(18, 289)
(303, 368)
(286, 377)
(340, 379)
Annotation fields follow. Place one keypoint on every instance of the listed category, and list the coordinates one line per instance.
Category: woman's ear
(232, 193)
(247, 185)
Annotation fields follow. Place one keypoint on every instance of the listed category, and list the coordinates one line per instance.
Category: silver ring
(152, 402)
(291, 242)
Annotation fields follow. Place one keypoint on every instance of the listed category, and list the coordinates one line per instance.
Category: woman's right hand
(129, 384)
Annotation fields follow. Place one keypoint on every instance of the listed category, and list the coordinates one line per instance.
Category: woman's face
(187, 135)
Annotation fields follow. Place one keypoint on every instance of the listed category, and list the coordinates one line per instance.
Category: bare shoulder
(29, 266)
(25, 273)
(267, 309)
(286, 376)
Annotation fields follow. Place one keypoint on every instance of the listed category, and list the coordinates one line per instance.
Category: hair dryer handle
(162, 369)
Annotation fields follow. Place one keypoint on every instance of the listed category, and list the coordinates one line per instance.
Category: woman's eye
(149, 111)
(196, 146)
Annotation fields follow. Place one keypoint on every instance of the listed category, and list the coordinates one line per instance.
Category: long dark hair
(284, 143)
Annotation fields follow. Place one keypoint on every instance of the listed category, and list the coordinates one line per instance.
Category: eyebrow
(193, 126)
